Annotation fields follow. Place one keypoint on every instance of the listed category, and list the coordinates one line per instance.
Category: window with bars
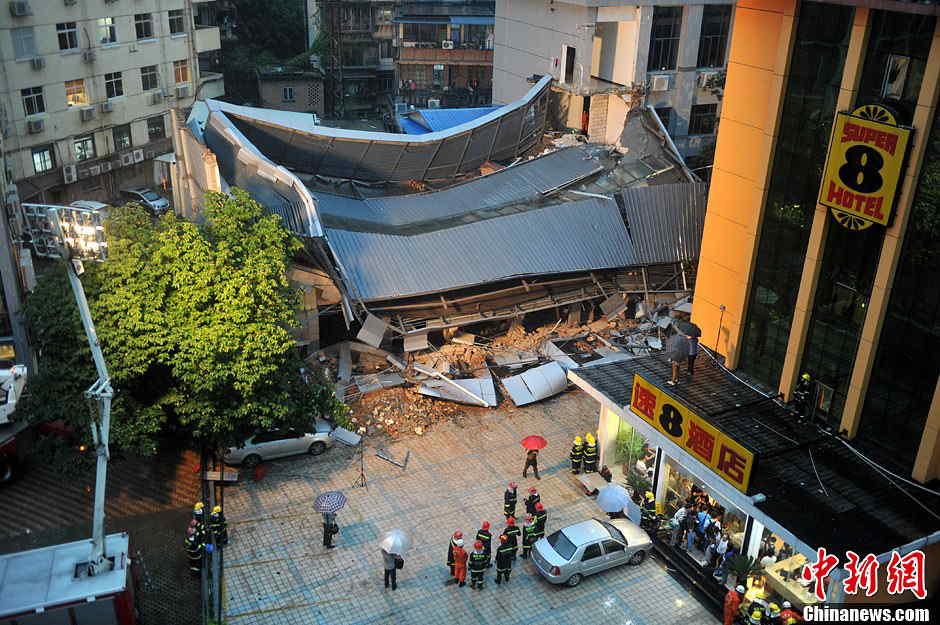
(122, 137)
(664, 38)
(43, 159)
(181, 71)
(149, 77)
(68, 35)
(424, 33)
(156, 128)
(24, 42)
(702, 119)
(716, 21)
(114, 84)
(665, 115)
(33, 102)
(75, 94)
(287, 94)
(84, 148)
(143, 24)
(107, 30)
(176, 21)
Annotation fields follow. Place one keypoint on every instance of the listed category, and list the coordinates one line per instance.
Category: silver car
(588, 547)
(149, 198)
(280, 443)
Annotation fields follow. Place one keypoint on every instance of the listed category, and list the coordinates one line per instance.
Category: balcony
(207, 38)
(422, 56)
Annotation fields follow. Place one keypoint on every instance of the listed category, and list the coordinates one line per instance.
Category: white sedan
(281, 443)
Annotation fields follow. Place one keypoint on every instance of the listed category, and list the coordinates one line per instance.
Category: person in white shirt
(678, 520)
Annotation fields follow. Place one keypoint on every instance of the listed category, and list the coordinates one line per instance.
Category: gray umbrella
(687, 328)
(677, 348)
(612, 498)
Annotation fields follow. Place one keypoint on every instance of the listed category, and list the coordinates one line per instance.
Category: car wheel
(574, 580)
(638, 558)
(251, 461)
(316, 448)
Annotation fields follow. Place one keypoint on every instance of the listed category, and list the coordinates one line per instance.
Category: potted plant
(740, 567)
(630, 447)
(637, 484)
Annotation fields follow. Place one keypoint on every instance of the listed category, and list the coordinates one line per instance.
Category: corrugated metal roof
(423, 121)
(524, 182)
(665, 221)
(571, 237)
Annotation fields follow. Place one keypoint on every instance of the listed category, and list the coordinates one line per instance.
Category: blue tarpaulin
(423, 121)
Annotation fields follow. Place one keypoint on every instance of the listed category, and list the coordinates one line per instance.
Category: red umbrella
(534, 442)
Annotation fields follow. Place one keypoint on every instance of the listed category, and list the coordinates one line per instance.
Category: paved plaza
(278, 572)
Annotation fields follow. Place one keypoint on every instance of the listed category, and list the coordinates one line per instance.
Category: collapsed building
(408, 236)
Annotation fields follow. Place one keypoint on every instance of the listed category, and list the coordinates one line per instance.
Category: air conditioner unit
(659, 83)
(88, 56)
(138, 156)
(127, 158)
(434, 104)
(107, 107)
(20, 9)
(87, 114)
(94, 170)
(447, 45)
(35, 126)
(705, 77)
(182, 91)
(408, 44)
(105, 166)
(69, 174)
(156, 97)
(38, 62)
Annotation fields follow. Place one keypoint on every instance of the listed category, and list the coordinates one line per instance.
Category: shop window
(156, 128)
(143, 25)
(43, 159)
(149, 77)
(68, 35)
(84, 148)
(107, 31)
(181, 71)
(716, 21)
(591, 552)
(176, 21)
(33, 102)
(664, 38)
(24, 42)
(636, 457)
(122, 137)
(702, 119)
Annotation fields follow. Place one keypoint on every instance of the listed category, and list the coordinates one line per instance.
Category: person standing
(576, 455)
(677, 523)
(509, 500)
(529, 536)
(531, 460)
(732, 604)
(460, 563)
(329, 529)
(505, 554)
(391, 568)
(484, 537)
(541, 517)
(590, 453)
(218, 526)
(200, 519)
(788, 614)
(677, 350)
(512, 533)
(450, 555)
(194, 550)
(478, 562)
(531, 500)
(693, 352)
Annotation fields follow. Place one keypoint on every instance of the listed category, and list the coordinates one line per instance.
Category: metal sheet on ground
(536, 384)
(481, 387)
(416, 342)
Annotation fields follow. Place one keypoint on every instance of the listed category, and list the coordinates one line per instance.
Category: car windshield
(150, 195)
(560, 543)
(615, 533)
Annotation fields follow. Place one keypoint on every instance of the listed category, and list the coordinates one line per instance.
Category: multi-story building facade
(88, 87)
(608, 59)
(445, 53)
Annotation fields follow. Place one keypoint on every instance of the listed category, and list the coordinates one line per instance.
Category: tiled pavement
(277, 572)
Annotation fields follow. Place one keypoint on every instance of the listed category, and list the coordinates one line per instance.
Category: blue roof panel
(411, 127)
(442, 119)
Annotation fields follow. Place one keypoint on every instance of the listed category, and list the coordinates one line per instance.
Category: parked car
(280, 443)
(589, 547)
(149, 198)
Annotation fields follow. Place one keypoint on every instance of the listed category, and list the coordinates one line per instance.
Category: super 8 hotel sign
(864, 166)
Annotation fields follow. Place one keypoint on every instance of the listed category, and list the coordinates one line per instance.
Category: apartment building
(445, 53)
(88, 86)
(608, 59)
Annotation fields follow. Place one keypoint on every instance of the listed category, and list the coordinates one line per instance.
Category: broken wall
(195, 173)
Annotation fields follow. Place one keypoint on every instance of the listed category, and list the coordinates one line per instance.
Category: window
(68, 35)
(562, 546)
(24, 43)
(716, 22)
(569, 53)
(591, 552)
(75, 92)
(664, 38)
(143, 23)
(84, 148)
(149, 77)
(702, 119)
(424, 32)
(122, 137)
(33, 102)
(287, 94)
(113, 85)
(181, 71)
(107, 30)
(385, 49)
(612, 546)
(156, 128)
(43, 159)
(665, 115)
(176, 21)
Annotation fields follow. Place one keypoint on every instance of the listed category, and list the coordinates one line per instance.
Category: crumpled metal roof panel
(665, 221)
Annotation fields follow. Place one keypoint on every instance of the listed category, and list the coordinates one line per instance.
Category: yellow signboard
(863, 169)
(706, 443)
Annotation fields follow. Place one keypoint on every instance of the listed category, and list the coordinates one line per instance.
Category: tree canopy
(194, 321)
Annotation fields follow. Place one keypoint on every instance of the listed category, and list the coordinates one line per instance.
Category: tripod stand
(361, 480)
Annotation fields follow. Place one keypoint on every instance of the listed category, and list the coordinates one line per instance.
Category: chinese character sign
(902, 573)
(694, 434)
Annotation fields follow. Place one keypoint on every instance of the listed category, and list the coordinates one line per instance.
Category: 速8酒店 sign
(863, 169)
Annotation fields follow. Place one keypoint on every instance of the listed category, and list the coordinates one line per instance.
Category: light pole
(76, 235)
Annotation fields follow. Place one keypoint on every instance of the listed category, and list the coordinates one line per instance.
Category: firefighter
(529, 536)
(200, 518)
(576, 455)
(531, 500)
(802, 395)
(509, 500)
(484, 536)
(478, 562)
(541, 516)
(194, 550)
(460, 562)
(504, 557)
(512, 533)
(219, 526)
(458, 536)
(590, 454)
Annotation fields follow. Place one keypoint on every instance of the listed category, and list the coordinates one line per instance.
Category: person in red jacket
(788, 614)
(450, 554)
(460, 563)
(733, 604)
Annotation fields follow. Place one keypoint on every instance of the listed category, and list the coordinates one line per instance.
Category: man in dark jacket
(509, 500)
(529, 536)
(531, 460)
(484, 536)
(504, 557)
(329, 529)
(477, 565)
(576, 455)
(531, 500)
(194, 550)
(541, 517)
(512, 533)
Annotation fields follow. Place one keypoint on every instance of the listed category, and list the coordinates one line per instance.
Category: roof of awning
(473, 20)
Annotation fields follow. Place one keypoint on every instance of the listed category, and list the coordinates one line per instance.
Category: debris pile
(400, 411)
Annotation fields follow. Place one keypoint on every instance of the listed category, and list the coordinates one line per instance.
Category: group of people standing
(583, 454)
(477, 561)
(201, 533)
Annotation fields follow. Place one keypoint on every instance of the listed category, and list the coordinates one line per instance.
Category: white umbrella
(612, 498)
(395, 541)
